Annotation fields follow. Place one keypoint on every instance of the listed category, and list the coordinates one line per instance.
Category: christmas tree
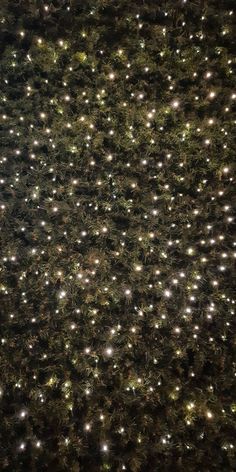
(117, 250)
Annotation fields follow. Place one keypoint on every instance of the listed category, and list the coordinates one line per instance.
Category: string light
(113, 190)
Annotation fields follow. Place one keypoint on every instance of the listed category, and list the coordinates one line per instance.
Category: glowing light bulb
(109, 351)
(62, 294)
(175, 104)
(138, 268)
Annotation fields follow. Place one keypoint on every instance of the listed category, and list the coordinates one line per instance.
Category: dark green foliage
(117, 250)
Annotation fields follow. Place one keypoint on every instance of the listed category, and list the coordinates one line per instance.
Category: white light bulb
(138, 268)
(175, 104)
(109, 351)
(62, 294)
